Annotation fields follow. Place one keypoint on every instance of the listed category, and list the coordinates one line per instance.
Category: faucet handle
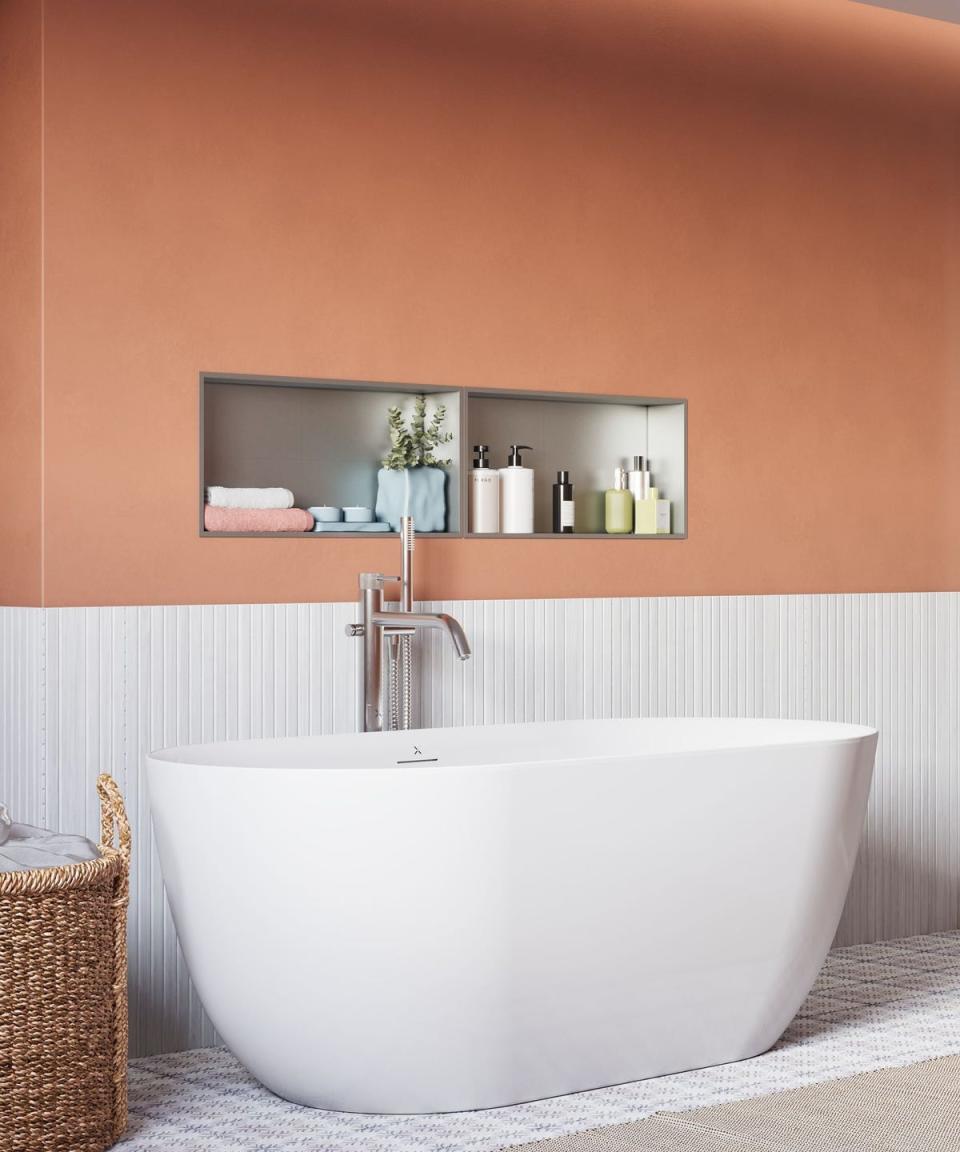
(374, 581)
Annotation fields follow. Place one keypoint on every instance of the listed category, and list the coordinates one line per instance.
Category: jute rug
(911, 1109)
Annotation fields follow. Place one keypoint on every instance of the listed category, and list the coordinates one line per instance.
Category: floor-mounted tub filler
(462, 918)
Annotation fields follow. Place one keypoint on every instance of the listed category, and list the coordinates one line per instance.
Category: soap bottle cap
(480, 458)
(515, 460)
(619, 478)
(638, 463)
(563, 477)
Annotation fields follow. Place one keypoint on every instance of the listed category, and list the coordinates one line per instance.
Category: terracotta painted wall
(20, 297)
(750, 205)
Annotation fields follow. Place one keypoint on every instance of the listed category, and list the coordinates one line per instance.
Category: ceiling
(935, 9)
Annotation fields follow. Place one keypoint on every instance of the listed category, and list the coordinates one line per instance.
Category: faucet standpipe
(399, 625)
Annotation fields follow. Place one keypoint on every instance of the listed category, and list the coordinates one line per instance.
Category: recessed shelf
(588, 436)
(324, 439)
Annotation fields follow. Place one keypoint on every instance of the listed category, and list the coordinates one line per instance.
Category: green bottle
(618, 505)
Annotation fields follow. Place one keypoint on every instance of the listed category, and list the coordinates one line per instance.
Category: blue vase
(417, 492)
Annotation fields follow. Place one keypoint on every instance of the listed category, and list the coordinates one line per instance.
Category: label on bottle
(566, 513)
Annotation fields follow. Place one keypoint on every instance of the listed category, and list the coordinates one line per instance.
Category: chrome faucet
(398, 625)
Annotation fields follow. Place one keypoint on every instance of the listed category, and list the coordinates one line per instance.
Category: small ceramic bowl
(326, 514)
(358, 515)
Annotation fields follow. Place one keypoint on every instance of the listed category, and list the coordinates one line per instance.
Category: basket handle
(113, 816)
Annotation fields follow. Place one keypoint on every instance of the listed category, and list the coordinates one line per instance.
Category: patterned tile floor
(873, 1006)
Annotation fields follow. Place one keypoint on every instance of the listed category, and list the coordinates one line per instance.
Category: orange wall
(751, 205)
(20, 261)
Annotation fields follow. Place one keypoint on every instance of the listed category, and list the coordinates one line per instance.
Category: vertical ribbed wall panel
(21, 713)
(85, 690)
(121, 681)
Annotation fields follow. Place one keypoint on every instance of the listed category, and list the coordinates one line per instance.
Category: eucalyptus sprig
(414, 447)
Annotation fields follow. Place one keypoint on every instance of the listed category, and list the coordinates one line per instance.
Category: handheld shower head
(407, 538)
(407, 533)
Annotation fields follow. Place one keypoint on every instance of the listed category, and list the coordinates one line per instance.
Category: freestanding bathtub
(464, 918)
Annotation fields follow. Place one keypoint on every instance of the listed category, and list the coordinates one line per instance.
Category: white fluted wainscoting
(86, 690)
(22, 681)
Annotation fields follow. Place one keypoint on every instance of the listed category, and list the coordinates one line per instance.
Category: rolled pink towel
(256, 519)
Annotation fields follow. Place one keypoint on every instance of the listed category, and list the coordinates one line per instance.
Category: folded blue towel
(351, 526)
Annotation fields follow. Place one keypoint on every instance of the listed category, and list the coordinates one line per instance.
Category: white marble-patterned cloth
(26, 847)
(873, 1006)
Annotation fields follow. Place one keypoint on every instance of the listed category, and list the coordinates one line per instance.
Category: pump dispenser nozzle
(514, 459)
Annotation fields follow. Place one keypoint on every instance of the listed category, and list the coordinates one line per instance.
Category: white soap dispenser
(516, 493)
(484, 493)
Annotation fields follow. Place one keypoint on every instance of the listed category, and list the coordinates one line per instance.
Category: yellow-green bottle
(646, 514)
(618, 505)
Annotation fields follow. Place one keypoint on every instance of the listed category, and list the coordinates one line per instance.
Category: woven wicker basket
(63, 997)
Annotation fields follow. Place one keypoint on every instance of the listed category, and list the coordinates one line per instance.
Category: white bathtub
(465, 918)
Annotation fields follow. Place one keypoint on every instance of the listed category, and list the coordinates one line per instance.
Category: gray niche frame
(464, 445)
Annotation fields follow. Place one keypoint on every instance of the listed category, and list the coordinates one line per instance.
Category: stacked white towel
(250, 497)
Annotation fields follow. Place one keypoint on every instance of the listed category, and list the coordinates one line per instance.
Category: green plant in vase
(413, 447)
(412, 480)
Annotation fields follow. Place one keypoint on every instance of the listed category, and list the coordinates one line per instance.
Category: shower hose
(401, 689)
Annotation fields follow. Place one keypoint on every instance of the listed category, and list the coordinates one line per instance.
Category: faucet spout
(457, 635)
(417, 620)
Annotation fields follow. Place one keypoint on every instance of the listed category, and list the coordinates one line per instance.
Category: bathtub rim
(177, 754)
